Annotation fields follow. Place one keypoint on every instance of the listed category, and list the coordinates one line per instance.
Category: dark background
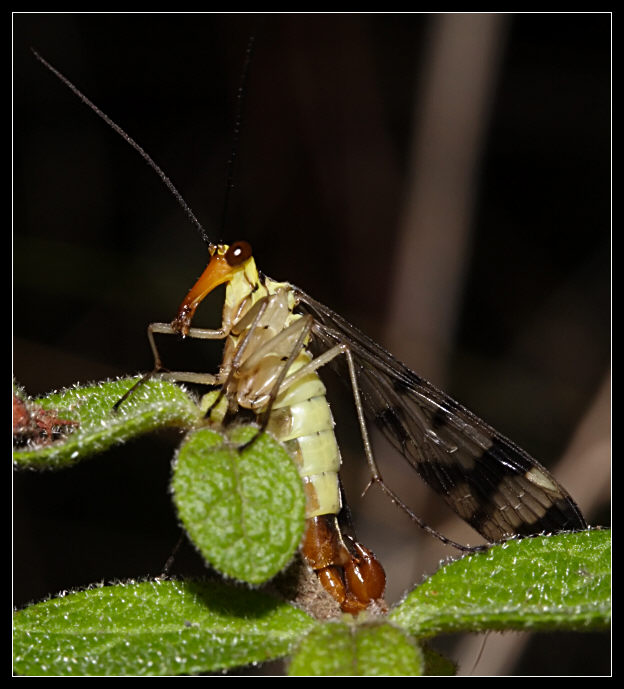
(100, 248)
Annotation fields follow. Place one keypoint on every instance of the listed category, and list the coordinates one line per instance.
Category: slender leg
(177, 376)
(376, 476)
(298, 346)
(229, 368)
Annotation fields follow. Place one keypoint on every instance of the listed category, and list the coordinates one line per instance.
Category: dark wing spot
(389, 419)
(440, 418)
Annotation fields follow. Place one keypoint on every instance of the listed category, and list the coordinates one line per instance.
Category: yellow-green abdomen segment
(301, 418)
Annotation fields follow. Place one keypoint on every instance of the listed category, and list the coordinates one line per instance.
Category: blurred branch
(451, 116)
(585, 468)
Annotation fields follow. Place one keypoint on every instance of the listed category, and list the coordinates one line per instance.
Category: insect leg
(195, 333)
(314, 365)
(231, 364)
(177, 376)
(322, 360)
(376, 476)
(306, 327)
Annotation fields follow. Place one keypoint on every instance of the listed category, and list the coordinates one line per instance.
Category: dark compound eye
(238, 253)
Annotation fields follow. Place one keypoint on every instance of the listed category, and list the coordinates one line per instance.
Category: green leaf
(358, 649)
(155, 404)
(244, 509)
(154, 628)
(545, 582)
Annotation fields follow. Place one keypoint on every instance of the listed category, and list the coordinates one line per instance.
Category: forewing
(490, 482)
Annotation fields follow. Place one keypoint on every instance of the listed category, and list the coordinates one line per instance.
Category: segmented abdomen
(302, 420)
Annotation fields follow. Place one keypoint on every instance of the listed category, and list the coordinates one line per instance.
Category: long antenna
(132, 142)
(238, 119)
